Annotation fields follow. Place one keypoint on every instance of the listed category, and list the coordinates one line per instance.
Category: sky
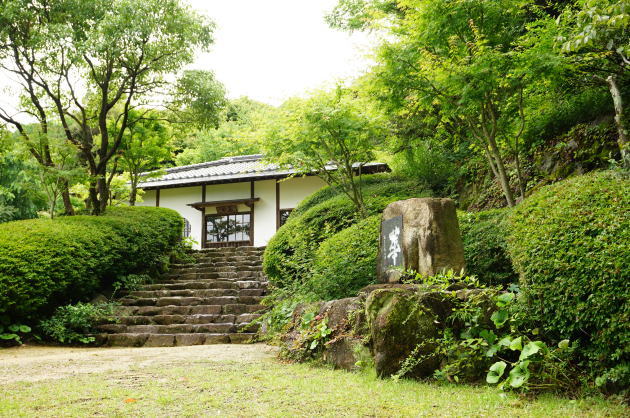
(271, 50)
(268, 50)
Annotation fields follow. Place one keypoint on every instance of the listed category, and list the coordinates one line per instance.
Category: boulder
(402, 321)
(345, 352)
(420, 235)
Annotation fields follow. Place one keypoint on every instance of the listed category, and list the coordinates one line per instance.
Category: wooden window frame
(228, 243)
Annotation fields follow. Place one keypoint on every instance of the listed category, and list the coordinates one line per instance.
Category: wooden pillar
(251, 228)
(277, 205)
(204, 225)
(157, 198)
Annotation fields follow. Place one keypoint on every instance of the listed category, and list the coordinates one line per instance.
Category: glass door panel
(234, 228)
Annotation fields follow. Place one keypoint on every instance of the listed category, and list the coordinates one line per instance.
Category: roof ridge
(222, 161)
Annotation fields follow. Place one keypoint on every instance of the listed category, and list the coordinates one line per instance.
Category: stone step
(216, 268)
(202, 264)
(198, 293)
(215, 275)
(214, 300)
(188, 319)
(171, 340)
(190, 285)
(170, 329)
(230, 309)
(181, 301)
(207, 284)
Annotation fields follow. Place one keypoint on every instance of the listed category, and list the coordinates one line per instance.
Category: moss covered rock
(403, 320)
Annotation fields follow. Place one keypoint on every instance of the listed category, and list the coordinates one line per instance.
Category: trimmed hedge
(291, 252)
(346, 262)
(484, 235)
(48, 263)
(570, 243)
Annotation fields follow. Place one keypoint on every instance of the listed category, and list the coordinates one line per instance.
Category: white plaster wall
(296, 189)
(228, 191)
(264, 212)
(148, 198)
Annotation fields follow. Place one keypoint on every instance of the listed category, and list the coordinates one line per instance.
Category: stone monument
(420, 235)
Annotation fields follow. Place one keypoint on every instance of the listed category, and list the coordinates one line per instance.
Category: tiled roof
(225, 170)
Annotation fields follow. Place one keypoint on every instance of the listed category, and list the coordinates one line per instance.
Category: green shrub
(48, 263)
(430, 163)
(569, 242)
(72, 324)
(290, 253)
(484, 235)
(346, 262)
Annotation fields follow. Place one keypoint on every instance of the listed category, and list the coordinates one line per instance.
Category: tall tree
(331, 133)
(145, 147)
(80, 61)
(598, 33)
(241, 130)
(457, 66)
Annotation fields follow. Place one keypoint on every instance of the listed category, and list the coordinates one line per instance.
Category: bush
(346, 262)
(429, 163)
(484, 235)
(290, 253)
(48, 263)
(72, 324)
(569, 241)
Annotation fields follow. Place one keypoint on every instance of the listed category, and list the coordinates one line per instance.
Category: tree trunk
(103, 193)
(95, 204)
(622, 140)
(522, 185)
(502, 176)
(65, 195)
(133, 193)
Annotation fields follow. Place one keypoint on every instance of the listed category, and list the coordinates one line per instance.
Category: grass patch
(270, 388)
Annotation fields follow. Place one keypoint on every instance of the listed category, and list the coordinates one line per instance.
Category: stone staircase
(212, 301)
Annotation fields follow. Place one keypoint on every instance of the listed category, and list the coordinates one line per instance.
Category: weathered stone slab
(241, 338)
(160, 340)
(127, 340)
(205, 309)
(190, 339)
(420, 235)
(217, 339)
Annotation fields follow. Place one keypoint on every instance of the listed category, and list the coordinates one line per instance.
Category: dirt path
(35, 363)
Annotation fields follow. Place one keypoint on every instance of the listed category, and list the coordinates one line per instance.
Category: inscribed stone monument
(420, 235)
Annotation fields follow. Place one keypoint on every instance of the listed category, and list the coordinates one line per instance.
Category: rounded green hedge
(570, 243)
(48, 263)
(290, 254)
(484, 235)
(346, 262)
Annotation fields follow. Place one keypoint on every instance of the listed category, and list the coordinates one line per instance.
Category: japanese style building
(234, 201)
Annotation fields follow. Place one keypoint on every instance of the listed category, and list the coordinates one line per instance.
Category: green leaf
(14, 327)
(492, 350)
(24, 328)
(519, 375)
(499, 318)
(530, 349)
(489, 336)
(504, 299)
(314, 344)
(564, 344)
(8, 336)
(516, 344)
(495, 372)
(505, 341)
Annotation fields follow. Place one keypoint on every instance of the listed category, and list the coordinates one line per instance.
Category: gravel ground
(30, 363)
